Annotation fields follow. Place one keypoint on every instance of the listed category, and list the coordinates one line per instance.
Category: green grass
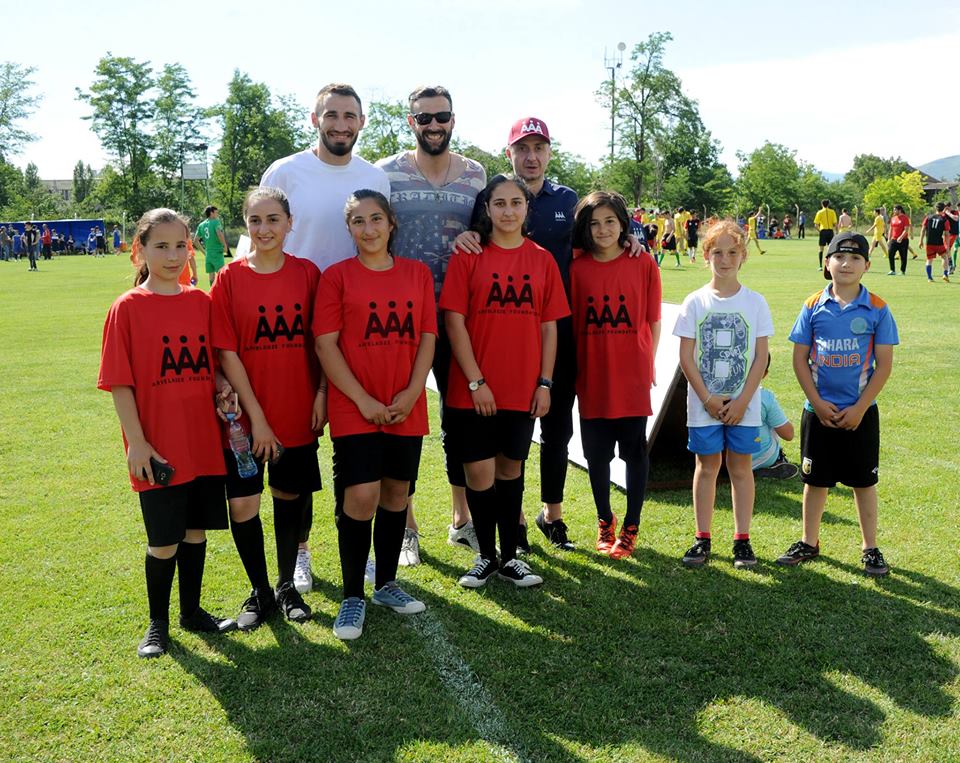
(609, 661)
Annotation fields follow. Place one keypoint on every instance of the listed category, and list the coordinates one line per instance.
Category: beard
(338, 149)
(434, 149)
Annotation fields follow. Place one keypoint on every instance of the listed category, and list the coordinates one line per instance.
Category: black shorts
(692, 241)
(829, 456)
(826, 236)
(168, 512)
(362, 458)
(297, 472)
(472, 437)
(670, 244)
(599, 436)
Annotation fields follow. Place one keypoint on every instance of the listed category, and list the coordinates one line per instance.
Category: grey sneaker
(394, 597)
(291, 603)
(349, 622)
(464, 535)
(782, 470)
(302, 574)
(410, 550)
(874, 564)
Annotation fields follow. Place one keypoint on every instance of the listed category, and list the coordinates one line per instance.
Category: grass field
(609, 661)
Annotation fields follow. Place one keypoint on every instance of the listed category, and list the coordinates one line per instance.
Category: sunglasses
(425, 117)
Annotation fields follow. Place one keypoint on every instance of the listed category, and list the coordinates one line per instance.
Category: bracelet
(709, 398)
(323, 390)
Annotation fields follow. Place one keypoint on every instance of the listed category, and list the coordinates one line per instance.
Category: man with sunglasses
(432, 191)
(318, 181)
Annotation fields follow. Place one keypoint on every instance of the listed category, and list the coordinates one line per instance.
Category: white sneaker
(302, 574)
(410, 550)
(370, 571)
(463, 536)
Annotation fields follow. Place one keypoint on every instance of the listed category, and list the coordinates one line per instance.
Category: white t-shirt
(317, 193)
(726, 331)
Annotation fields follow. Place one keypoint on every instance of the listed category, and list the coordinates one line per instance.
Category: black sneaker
(698, 553)
(202, 621)
(743, 555)
(483, 569)
(260, 605)
(799, 552)
(555, 532)
(782, 470)
(874, 564)
(155, 640)
(519, 573)
(291, 603)
(523, 545)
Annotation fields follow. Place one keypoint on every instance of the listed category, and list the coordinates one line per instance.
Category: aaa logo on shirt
(393, 323)
(280, 327)
(184, 360)
(606, 316)
(509, 296)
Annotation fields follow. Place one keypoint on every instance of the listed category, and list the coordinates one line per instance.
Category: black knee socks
(287, 523)
(637, 468)
(387, 540)
(353, 538)
(190, 559)
(307, 519)
(248, 538)
(599, 471)
(509, 505)
(159, 574)
(483, 509)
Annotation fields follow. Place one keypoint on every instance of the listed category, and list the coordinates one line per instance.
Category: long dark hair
(582, 235)
(381, 201)
(141, 235)
(483, 224)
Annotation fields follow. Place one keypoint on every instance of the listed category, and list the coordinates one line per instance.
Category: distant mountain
(832, 177)
(947, 168)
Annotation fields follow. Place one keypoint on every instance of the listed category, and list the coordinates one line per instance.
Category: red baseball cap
(528, 126)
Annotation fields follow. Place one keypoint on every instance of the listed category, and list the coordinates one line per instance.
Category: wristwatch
(545, 383)
(475, 385)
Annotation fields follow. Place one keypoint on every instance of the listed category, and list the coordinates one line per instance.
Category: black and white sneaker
(291, 603)
(698, 554)
(483, 569)
(781, 470)
(874, 564)
(743, 556)
(259, 606)
(202, 621)
(555, 532)
(155, 640)
(797, 553)
(518, 572)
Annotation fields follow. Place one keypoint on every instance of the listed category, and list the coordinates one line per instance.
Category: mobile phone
(280, 452)
(162, 473)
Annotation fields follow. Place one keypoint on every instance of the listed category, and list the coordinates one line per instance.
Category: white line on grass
(474, 700)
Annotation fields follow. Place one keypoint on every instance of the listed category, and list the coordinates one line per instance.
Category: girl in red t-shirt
(157, 364)
(262, 309)
(501, 309)
(616, 322)
(375, 322)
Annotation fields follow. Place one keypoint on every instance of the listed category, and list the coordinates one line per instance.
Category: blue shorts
(705, 441)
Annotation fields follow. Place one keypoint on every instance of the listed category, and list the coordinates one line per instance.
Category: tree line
(149, 124)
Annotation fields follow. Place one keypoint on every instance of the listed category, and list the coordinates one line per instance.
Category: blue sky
(828, 79)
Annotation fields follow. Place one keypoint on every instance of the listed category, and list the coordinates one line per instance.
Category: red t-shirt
(505, 295)
(614, 304)
(160, 345)
(265, 318)
(898, 223)
(46, 237)
(380, 315)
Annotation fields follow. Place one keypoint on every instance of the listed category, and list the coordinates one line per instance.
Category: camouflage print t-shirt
(430, 217)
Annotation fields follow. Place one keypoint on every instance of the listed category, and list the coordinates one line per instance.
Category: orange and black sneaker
(606, 534)
(625, 543)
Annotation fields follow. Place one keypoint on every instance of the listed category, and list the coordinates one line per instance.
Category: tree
(121, 114)
(493, 164)
(386, 131)
(768, 175)
(868, 167)
(82, 181)
(572, 171)
(177, 129)
(905, 189)
(18, 100)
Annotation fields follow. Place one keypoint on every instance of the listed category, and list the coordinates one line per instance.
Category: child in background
(723, 329)
(770, 461)
(616, 322)
(878, 228)
(842, 356)
(155, 334)
(262, 308)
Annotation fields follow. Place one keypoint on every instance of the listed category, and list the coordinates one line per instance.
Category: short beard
(338, 149)
(434, 150)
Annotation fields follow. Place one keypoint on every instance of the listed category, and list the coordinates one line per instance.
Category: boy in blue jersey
(770, 460)
(842, 356)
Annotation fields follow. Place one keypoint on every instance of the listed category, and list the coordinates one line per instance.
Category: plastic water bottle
(240, 445)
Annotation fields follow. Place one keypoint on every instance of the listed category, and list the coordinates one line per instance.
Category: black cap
(847, 242)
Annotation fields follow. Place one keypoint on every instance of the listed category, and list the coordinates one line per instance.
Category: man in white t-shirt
(319, 179)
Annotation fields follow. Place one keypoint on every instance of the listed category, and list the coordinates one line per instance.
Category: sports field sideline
(608, 661)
